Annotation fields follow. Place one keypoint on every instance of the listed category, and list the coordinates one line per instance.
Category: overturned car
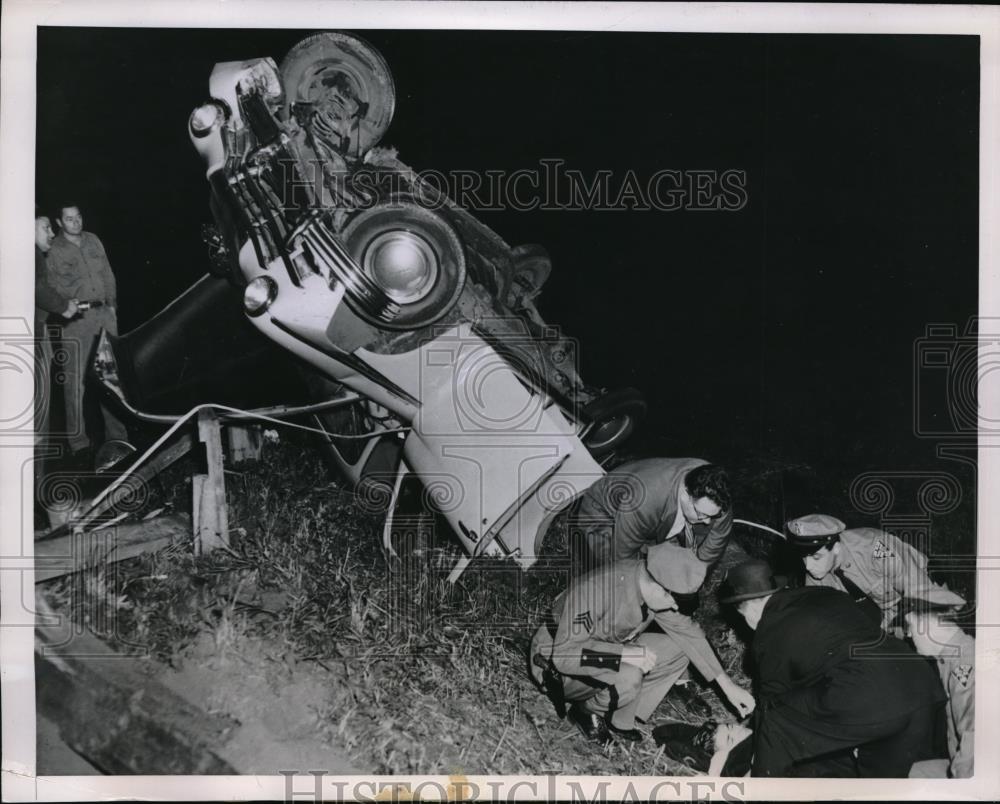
(413, 325)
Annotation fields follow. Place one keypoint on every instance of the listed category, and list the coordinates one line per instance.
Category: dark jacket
(818, 655)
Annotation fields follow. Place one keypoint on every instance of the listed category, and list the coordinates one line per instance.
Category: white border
(17, 119)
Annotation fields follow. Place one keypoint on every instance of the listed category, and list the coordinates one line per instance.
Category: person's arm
(962, 765)
(711, 547)
(689, 637)
(962, 708)
(906, 569)
(50, 300)
(47, 298)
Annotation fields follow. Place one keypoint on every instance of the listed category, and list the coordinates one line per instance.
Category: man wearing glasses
(683, 500)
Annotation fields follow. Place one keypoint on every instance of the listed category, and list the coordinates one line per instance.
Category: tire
(413, 255)
(344, 82)
(611, 419)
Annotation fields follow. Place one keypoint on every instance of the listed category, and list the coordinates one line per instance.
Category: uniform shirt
(957, 666)
(886, 569)
(641, 499)
(81, 272)
(603, 610)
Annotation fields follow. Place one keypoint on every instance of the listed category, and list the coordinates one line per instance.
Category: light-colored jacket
(957, 666)
(886, 569)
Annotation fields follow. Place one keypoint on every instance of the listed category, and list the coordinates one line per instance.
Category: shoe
(687, 698)
(687, 743)
(628, 735)
(589, 723)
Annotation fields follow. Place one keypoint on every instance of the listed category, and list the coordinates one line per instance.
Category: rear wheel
(340, 88)
(611, 419)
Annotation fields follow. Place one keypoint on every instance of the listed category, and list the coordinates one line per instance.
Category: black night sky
(783, 331)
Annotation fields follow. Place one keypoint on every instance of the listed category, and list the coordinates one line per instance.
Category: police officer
(612, 671)
(836, 696)
(872, 566)
(933, 634)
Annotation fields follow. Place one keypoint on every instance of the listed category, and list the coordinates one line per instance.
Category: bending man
(642, 503)
(837, 696)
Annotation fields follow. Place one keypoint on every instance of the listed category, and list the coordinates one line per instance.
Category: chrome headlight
(205, 118)
(259, 295)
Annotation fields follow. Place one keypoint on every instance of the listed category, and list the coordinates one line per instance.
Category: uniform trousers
(631, 694)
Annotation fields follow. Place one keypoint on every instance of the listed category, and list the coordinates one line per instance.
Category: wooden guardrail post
(210, 517)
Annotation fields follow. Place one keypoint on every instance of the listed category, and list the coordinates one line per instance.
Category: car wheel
(611, 419)
(413, 255)
(339, 88)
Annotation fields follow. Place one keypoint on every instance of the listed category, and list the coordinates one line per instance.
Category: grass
(421, 676)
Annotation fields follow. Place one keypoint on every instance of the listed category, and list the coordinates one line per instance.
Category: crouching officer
(874, 567)
(612, 671)
(936, 635)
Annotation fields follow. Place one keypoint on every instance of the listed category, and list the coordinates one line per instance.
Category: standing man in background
(78, 268)
(48, 300)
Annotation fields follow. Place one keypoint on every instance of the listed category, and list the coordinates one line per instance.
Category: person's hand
(71, 309)
(742, 701)
(639, 656)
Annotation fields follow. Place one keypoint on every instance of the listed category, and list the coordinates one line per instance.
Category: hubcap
(403, 264)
